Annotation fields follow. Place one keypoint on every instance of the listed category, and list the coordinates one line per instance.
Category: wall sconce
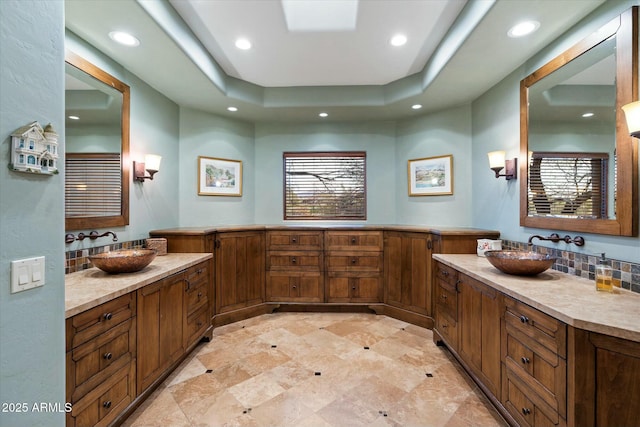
(632, 114)
(497, 162)
(151, 164)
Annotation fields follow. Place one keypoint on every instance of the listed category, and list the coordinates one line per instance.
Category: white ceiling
(456, 50)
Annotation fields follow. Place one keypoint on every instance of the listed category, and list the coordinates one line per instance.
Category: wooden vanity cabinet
(240, 270)
(160, 327)
(295, 266)
(353, 266)
(101, 362)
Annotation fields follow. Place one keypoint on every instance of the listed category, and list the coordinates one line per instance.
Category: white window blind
(568, 184)
(325, 185)
(93, 185)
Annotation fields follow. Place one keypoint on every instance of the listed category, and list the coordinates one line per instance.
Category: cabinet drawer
(447, 327)
(93, 362)
(91, 323)
(294, 260)
(197, 324)
(524, 408)
(294, 240)
(352, 261)
(540, 372)
(197, 296)
(198, 274)
(447, 298)
(350, 287)
(546, 330)
(105, 403)
(446, 274)
(353, 240)
(295, 286)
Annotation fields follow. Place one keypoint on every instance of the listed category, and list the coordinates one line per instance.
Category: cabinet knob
(526, 411)
(293, 260)
(199, 295)
(525, 360)
(294, 286)
(106, 404)
(444, 297)
(199, 324)
(199, 271)
(445, 326)
(524, 319)
(354, 260)
(445, 273)
(354, 288)
(107, 316)
(294, 240)
(107, 356)
(353, 240)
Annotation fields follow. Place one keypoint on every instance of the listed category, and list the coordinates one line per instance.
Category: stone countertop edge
(89, 288)
(444, 231)
(571, 299)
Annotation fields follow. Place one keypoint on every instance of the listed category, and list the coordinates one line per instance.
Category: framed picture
(219, 177)
(431, 176)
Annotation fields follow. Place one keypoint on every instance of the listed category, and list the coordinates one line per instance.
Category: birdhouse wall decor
(34, 149)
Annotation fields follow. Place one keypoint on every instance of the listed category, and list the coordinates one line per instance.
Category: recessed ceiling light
(243, 44)
(124, 38)
(587, 115)
(523, 28)
(232, 109)
(416, 106)
(398, 40)
(323, 114)
(74, 117)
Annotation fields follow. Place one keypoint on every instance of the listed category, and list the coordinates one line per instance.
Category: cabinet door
(240, 270)
(406, 265)
(160, 328)
(295, 286)
(479, 311)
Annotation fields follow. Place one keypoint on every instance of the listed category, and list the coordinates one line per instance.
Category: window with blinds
(568, 184)
(325, 185)
(93, 185)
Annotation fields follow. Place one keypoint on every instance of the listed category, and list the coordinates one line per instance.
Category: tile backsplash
(625, 274)
(78, 260)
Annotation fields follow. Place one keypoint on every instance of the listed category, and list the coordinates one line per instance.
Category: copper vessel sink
(123, 261)
(521, 263)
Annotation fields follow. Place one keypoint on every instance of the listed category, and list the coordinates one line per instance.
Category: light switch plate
(27, 274)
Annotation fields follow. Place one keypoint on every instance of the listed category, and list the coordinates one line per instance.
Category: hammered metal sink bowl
(520, 263)
(123, 261)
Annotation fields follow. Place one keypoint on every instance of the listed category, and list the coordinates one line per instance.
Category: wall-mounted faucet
(69, 237)
(555, 238)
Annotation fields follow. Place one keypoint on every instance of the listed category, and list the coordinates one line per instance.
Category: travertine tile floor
(318, 369)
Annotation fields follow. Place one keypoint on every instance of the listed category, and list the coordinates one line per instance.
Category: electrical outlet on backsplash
(625, 274)
(78, 260)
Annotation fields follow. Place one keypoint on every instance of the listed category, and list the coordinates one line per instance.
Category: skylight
(320, 16)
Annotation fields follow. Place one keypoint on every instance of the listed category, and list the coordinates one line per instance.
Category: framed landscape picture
(431, 176)
(219, 177)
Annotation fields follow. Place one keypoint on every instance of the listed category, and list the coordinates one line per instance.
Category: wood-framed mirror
(96, 147)
(579, 166)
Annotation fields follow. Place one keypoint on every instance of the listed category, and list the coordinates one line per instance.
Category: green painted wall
(32, 353)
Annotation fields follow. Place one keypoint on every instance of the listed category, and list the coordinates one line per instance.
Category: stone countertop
(89, 288)
(571, 299)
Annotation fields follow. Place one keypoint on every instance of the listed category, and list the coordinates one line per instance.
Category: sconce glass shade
(496, 159)
(632, 114)
(152, 162)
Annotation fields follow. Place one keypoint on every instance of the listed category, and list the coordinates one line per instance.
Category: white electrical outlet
(27, 274)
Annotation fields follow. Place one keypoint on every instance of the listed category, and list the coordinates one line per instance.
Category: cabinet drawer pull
(526, 411)
(187, 285)
(199, 324)
(294, 240)
(525, 360)
(293, 260)
(445, 273)
(107, 356)
(294, 286)
(199, 271)
(106, 404)
(353, 240)
(444, 326)
(354, 260)
(524, 319)
(107, 316)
